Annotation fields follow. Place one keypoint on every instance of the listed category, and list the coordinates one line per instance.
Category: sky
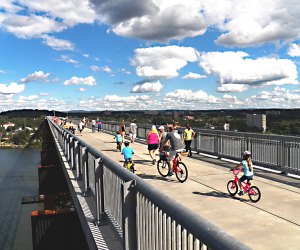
(149, 55)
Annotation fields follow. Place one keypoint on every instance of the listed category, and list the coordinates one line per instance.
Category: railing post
(129, 215)
(85, 172)
(99, 190)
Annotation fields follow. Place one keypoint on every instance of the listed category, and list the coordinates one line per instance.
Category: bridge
(121, 210)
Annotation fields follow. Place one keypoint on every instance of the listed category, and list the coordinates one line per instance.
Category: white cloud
(91, 81)
(67, 59)
(37, 76)
(106, 69)
(294, 50)
(30, 26)
(44, 94)
(58, 44)
(194, 76)
(12, 88)
(249, 23)
(235, 68)
(127, 72)
(229, 87)
(162, 62)
(147, 87)
(82, 89)
(94, 68)
(152, 20)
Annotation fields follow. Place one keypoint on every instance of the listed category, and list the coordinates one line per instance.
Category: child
(128, 152)
(246, 166)
(118, 138)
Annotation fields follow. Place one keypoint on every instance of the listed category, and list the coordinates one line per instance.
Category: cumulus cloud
(82, 89)
(250, 23)
(194, 76)
(236, 68)
(106, 69)
(12, 88)
(67, 59)
(294, 50)
(58, 44)
(188, 95)
(162, 62)
(147, 87)
(37, 76)
(91, 81)
(152, 20)
(229, 87)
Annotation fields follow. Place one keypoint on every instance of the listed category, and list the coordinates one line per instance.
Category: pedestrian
(81, 126)
(162, 137)
(93, 125)
(99, 123)
(122, 130)
(132, 130)
(153, 141)
(188, 136)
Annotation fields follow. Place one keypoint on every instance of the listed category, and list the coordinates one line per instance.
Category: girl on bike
(246, 166)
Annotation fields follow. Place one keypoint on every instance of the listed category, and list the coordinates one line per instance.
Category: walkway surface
(272, 223)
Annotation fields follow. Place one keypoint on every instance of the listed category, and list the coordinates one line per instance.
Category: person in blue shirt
(119, 141)
(128, 152)
(246, 166)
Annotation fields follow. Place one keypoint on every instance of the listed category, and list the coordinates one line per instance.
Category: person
(188, 136)
(132, 131)
(81, 126)
(122, 130)
(119, 140)
(246, 166)
(152, 140)
(162, 137)
(99, 123)
(71, 127)
(93, 125)
(128, 152)
(176, 144)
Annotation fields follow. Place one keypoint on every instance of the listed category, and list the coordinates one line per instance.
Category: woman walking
(153, 141)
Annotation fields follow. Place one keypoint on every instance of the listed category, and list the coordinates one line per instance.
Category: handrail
(145, 218)
(277, 152)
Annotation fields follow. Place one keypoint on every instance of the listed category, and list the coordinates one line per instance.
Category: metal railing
(271, 151)
(144, 217)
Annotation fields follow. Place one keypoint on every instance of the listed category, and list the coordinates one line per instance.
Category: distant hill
(29, 113)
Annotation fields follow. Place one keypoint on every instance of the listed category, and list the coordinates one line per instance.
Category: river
(18, 178)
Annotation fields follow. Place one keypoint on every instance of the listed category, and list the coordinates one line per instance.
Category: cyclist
(247, 167)
(119, 140)
(128, 152)
(176, 144)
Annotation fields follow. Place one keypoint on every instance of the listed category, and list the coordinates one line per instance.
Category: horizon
(155, 55)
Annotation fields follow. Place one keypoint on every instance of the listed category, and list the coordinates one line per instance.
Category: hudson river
(18, 178)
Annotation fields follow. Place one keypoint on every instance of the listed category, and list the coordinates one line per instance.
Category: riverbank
(13, 146)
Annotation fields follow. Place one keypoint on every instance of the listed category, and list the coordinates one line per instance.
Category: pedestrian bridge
(121, 210)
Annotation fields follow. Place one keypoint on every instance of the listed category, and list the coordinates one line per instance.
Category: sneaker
(170, 173)
(153, 161)
(241, 192)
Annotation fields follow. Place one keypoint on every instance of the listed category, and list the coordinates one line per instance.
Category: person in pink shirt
(153, 142)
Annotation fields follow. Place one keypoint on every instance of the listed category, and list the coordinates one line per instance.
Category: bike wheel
(254, 194)
(232, 188)
(182, 175)
(163, 168)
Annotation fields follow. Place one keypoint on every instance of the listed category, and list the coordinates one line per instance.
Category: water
(18, 178)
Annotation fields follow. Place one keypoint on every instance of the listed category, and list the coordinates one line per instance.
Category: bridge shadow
(156, 177)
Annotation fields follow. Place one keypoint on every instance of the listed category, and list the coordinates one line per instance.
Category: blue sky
(150, 54)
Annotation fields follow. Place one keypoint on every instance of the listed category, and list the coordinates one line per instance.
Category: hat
(161, 127)
(153, 127)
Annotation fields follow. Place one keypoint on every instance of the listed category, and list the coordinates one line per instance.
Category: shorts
(173, 154)
(132, 136)
(246, 178)
(152, 146)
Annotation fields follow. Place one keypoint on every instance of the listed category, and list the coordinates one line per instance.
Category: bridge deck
(272, 223)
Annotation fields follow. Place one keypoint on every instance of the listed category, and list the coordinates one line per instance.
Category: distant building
(258, 121)
(189, 118)
(9, 124)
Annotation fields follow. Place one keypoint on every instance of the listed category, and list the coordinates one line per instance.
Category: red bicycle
(252, 191)
(179, 168)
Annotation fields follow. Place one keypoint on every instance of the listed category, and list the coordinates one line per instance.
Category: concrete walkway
(272, 223)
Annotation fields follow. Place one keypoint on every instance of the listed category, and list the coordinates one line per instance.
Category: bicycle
(252, 191)
(128, 164)
(179, 168)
